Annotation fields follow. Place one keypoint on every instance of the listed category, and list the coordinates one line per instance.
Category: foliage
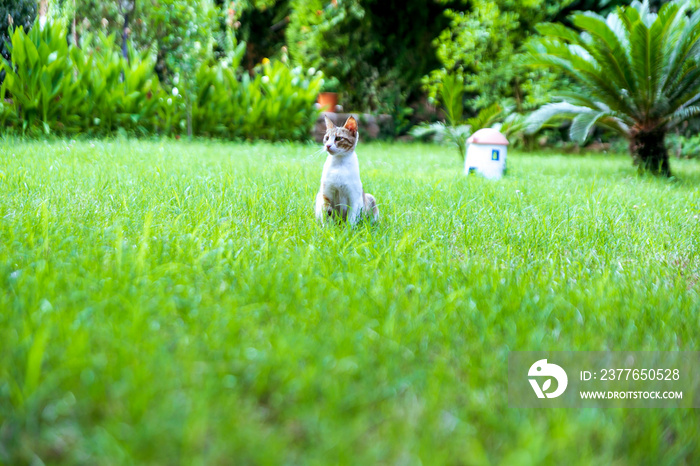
(378, 59)
(175, 303)
(640, 72)
(482, 46)
(513, 125)
(262, 25)
(685, 147)
(181, 32)
(331, 84)
(60, 88)
(40, 80)
(282, 99)
(92, 89)
(456, 130)
(602, 7)
(276, 103)
(120, 94)
(21, 13)
(186, 36)
(452, 99)
(95, 16)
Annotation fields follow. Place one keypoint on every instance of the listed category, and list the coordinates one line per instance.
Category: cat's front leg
(355, 212)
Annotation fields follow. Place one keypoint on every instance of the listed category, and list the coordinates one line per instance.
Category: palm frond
(683, 114)
(686, 40)
(686, 88)
(427, 130)
(582, 124)
(515, 123)
(486, 117)
(554, 111)
(606, 48)
(640, 54)
(617, 27)
(560, 56)
(559, 31)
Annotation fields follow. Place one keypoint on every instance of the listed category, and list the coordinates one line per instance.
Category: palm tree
(639, 72)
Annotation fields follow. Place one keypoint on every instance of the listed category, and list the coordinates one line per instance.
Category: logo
(543, 369)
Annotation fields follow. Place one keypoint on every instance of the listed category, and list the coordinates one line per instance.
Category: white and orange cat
(341, 195)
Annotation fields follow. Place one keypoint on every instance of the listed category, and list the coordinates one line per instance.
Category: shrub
(41, 82)
(275, 103)
(59, 88)
(262, 25)
(169, 27)
(120, 93)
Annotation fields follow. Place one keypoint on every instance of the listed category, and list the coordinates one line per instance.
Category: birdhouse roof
(488, 136)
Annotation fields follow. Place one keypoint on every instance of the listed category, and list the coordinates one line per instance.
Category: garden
(168, 297)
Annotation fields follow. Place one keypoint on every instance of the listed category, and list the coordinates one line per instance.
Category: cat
(341, 195)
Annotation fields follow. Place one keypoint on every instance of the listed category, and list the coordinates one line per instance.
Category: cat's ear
(329, 123)
(351, 124)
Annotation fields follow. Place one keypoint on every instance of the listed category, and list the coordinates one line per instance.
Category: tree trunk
(648, 149)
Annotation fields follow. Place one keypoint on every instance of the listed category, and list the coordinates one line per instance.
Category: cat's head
(340, 140)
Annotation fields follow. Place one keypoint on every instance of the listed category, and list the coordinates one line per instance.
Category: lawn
(167, 302)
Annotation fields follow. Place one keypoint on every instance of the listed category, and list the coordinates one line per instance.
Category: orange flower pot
(328, 101)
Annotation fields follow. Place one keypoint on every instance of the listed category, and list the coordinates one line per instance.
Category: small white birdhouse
(486, 153)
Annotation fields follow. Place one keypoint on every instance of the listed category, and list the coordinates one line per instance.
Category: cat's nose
(328, 146)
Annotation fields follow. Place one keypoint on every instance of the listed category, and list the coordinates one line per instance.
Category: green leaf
(19, 55)
(537, 119)
(452, 92)
(582, 124)
(32, 53)
(485, 118)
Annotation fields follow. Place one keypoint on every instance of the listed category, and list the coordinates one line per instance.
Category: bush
(275, 103)
(120, 93)
(59, 88)
(262, 25)
(40, 80)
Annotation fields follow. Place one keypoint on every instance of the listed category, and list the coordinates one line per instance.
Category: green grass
(176, 303)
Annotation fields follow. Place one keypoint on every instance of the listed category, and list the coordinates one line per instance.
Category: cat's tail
(371, 209)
